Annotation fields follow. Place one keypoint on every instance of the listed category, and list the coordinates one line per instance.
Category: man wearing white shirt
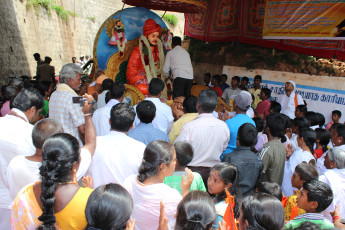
(178, 61)
(208, 135)
(24, 170)
(290, 99)
(15, 139)
(164, 118)
(102, 115)
(117, 155)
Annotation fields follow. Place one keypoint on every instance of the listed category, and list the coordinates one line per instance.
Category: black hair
(275, 107)
(228, 174)
(59, 153)
(155, 154)
(323, 136)
(236, 78)
(43, 87)
(224, 75)
(320, 192)
(47, 59)
(122, 116)
(287, 124)
(108, 207)
(313, 118)
(146, 111)
(156, 86)
(306, 225)
(207, 75)
(245, 79)
(341, 131)
(189, 104)
(107, 84)
(184, 152)
(302, 108)
(276, 123)
(208, 100)
(247, 135)
(28, 98)
(271, 188)
(300, 123)
(337, 112)
(266, 91)
(322, 120)
(44, 129)
(107, 97)
(216, 77)
(258, 77)
(8, 92)
(259, 123)
(334, 126)
(263, 212)
(195, 211)
(176, 41)
(309, 137)
(307, 172)
(117, 90)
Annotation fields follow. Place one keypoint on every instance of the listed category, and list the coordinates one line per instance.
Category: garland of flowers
(151, 70)
(120, 45)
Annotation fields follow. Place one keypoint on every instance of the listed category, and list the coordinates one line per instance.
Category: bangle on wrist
(88, 114)
(336, 218)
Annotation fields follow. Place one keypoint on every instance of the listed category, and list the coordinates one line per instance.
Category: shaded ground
(255, 57)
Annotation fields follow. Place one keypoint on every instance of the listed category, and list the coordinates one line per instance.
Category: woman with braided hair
(57, 201)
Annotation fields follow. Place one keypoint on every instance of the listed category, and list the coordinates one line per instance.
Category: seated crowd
(99, 163)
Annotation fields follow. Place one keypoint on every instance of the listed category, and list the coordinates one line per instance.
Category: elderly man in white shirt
(178, 62)
(164, 117)
(15, 139)
(102, 115)
(117, 155)
(208, 135)
(290, 99)
(24, 170)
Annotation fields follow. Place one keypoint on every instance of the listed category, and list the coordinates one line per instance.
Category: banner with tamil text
(304, 19)
(322, 94)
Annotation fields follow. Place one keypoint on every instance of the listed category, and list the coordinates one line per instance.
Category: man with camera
(63, 107)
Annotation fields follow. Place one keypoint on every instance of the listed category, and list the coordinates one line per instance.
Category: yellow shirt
(292, 204)
(177, 126)
(256, 94)
(26, 210)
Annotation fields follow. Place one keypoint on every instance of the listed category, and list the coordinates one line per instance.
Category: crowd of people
(96, 162)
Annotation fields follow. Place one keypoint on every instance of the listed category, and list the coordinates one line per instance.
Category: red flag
(229, 217)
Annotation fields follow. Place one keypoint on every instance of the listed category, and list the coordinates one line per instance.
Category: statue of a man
(147, 59)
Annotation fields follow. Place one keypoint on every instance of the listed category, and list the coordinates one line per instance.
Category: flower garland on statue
(121, 42)
(151, 70)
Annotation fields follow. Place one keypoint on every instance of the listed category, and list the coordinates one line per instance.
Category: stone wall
(25, 32)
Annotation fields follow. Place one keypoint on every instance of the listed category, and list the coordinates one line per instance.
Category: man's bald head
(44, 129)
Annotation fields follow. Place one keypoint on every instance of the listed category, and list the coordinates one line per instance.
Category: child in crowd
(287, 129)
(322, 120)
(215, 81)
(223, 176)
(249, 173)
(244, 83)
(301, 111)
(263, 106)
(303, 172)
(262, 138)
(315, 197)
(336, 115)
(306, 140)
(314, 120)
(271, 188)
(322, 140)
(184, 155)
(261, 211)
(275, 107)
(297, 124)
